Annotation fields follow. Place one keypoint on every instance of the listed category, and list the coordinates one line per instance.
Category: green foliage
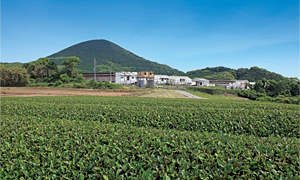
(32, 81)
(253, 74)
(79, 78)
(65, 78)
(41, 68)
(10, 65)
(101, 85)
(213, 91)
(110, 138)
(108, 65)
(201, 73)
(39, 84)
(58, 82)
(284, 91)
(51, 84)
(104, 52)
(220, 76)
(70, 64)
(13, 77)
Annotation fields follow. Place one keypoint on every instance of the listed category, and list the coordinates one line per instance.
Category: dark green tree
(70, 64)
(51, 68)
(13, 76)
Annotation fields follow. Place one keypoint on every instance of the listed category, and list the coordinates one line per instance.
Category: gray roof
(200, 79)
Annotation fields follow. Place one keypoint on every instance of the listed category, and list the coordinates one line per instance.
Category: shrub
(51, 84)
(58, 82)
(13, 77)
(32, 81)
(91, 83)
(264, 98)
(79, 86)
(79, 78)
(65, 78)
(216, 91)
(45, 79)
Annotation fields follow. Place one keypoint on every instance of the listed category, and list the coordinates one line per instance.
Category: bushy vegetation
(10, 65)
(109, 56)
(106, 66)
(110, 138)
(41, 68)
(101, 85)
(201, 73)
(284, 91)
(220, 76)
(45, 73)
(253, 74)
(13, 76)
(213, 90)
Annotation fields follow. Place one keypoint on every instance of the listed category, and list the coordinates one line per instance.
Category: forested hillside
(201, 73)
(10, 65)
(253, 74)
(110, 56)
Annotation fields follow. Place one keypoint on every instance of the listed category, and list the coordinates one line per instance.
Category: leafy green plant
(65, 78)
(146, 138)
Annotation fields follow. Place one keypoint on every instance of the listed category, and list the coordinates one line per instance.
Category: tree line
(283, 91)
(41, 70)
(253, 74)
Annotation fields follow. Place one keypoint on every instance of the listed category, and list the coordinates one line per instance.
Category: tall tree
(41, 68)
(51, 68)
(40, 71)
(13, 76)
(70, 64)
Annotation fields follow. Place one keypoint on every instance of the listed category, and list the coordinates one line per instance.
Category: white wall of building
(126, 78)
(173, 80)
(201, 82)
(131, 78)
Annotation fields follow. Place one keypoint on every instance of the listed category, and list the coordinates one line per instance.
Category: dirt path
(164, 93)
(189, 95)
(44, 91)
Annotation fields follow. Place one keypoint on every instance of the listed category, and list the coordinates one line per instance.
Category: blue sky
(186, 35)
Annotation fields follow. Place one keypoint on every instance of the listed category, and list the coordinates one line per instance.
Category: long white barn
(172, 80)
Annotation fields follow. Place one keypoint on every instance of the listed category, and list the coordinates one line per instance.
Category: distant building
(114, 77)
(145, 78)
(201, 82)
(128, 78)
(172, 80)
(231, 84)
(100, 76)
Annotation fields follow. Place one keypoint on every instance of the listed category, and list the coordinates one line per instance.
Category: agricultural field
(85, 137)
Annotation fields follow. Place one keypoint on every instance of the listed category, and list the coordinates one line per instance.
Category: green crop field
(147, 138)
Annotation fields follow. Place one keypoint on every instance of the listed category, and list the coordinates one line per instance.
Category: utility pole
(95, 69)
(110, 75)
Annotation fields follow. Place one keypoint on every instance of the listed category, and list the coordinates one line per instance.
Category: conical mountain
(109, 56)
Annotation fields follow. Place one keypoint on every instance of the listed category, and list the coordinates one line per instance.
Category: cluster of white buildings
(132, 78)
(229, 84)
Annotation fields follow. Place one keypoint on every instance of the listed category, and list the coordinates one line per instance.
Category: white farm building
(172, 80)
(126, 78)
(130, 78)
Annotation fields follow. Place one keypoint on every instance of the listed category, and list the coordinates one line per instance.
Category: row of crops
(141, 138)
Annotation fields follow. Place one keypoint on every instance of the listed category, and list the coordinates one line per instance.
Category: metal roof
(200, 79)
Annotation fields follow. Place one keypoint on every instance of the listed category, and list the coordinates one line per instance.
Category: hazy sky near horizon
(184, 34)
